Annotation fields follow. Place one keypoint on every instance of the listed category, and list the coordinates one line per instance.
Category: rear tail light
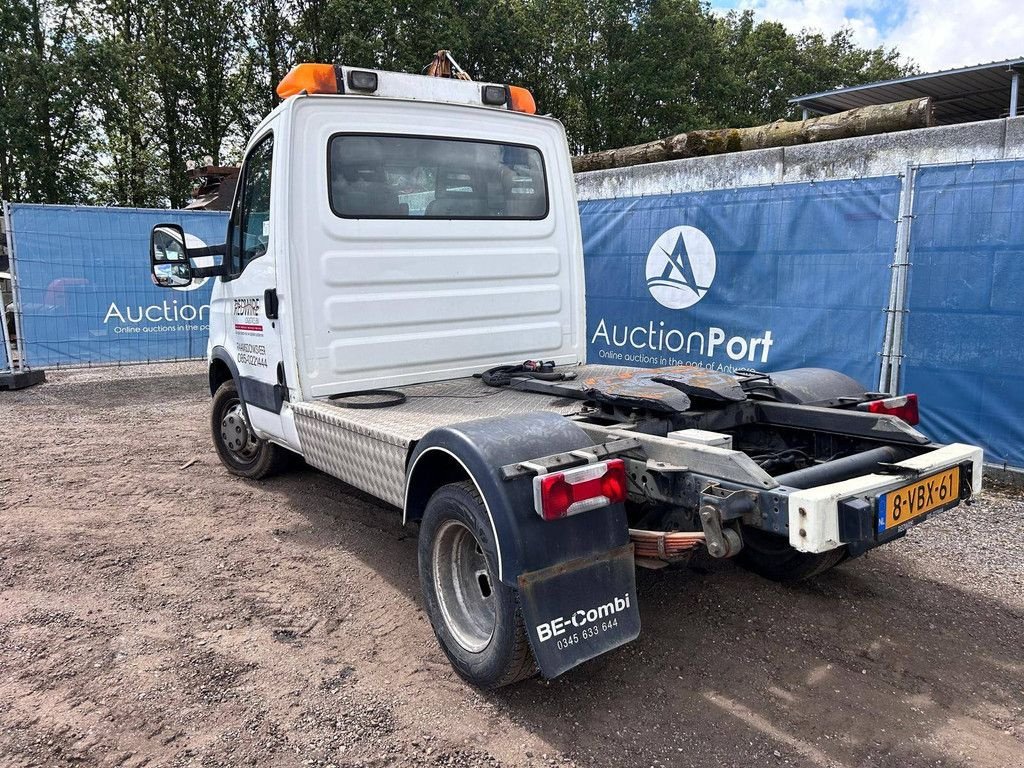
(903, 407)
(561, 494)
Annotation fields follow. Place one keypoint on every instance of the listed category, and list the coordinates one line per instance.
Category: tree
(129, 173)
(211, 53)
(766, 66)
(47, 131)
(107, 99)
(266, 59)
(166, 28)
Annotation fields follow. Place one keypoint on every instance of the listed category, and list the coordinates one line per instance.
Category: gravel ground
(155, 611)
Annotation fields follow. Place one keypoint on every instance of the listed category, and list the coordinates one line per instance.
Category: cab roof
(338, 79)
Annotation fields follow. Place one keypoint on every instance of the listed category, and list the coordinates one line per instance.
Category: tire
(476, 618)
(240, 451)
(771, 556)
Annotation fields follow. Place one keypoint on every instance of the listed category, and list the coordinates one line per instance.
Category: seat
(359, 186)
(456, 193)
(450, 203)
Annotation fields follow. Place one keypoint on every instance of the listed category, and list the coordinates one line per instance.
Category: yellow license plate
(920, 498)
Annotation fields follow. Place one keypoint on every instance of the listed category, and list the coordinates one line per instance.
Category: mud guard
(576, 611)
(578, 566)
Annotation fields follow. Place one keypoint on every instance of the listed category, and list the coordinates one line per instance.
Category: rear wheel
(771, 556)
(240, 450)
(476, 618)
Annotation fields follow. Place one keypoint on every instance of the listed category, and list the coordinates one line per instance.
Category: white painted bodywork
(368, 303)
(814, 513)
(386, 302)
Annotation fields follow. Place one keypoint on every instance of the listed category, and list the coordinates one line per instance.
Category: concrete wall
(881, 155)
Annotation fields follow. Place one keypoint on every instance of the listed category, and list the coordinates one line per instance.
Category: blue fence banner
(85, 292)
(963, 351)
(763, 277)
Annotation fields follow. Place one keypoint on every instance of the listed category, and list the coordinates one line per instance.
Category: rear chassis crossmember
(729, 490)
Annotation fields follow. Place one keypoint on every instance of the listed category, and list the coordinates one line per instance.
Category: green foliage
(765, 65)
(105, 100)
(46, 131)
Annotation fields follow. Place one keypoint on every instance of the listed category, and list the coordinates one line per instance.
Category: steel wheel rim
(464, 587)
(235, 434)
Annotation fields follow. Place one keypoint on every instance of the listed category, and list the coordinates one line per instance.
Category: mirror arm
(215, 271)
(210, 250)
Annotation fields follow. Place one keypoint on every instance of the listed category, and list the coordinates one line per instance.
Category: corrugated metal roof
(981, 92)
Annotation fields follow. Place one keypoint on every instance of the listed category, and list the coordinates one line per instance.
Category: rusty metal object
(667, 388)
(665, 546)
(216, 187)
(444, 65)
(719, 509)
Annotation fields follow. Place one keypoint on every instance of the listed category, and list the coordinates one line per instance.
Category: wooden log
(863, 121)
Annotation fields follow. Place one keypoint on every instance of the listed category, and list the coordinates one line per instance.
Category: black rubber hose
(842, 469)
(502, 375)
(392, 397)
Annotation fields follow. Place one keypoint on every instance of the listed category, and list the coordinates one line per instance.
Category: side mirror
(168, 257)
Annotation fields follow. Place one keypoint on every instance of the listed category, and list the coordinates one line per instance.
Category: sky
(937, 34)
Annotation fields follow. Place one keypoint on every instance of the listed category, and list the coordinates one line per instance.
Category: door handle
(270, 303)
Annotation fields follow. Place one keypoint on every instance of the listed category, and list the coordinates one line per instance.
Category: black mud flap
(577, 610)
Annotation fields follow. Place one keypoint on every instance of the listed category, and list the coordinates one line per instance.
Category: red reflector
(903, 407)
(561, 494)
(613, 484)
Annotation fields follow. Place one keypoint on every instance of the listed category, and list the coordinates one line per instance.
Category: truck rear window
(399, 177)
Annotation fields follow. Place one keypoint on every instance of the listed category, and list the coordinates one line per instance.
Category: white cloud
(937, 34)
(825, 16)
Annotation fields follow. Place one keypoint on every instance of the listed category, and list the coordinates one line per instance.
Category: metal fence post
(21, 376)
(1014, 93)
(3, 309)
(14, 289)
(895, 324)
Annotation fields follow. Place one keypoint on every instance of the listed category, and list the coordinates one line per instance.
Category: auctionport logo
(680, 267)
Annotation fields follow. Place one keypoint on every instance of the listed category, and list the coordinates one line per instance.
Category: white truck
(402, 253)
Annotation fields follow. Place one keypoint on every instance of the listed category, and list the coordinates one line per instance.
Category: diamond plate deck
(368, 448)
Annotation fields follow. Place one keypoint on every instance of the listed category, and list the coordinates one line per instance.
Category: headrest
(359, 158)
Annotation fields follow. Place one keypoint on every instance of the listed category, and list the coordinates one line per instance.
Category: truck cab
(428, 235)
(399, 300)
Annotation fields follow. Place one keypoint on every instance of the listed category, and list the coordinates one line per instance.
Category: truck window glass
(398, 177)
(254, 213)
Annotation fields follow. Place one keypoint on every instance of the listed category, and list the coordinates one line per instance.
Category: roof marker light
(311, 78)
(494, 95)
(521, 100)
(361, 80)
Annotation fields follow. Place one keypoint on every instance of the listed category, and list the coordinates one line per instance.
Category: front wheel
(476, 618)
(239, 449)
(771, 556)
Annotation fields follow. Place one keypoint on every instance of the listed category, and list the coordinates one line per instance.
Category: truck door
(248, 305)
